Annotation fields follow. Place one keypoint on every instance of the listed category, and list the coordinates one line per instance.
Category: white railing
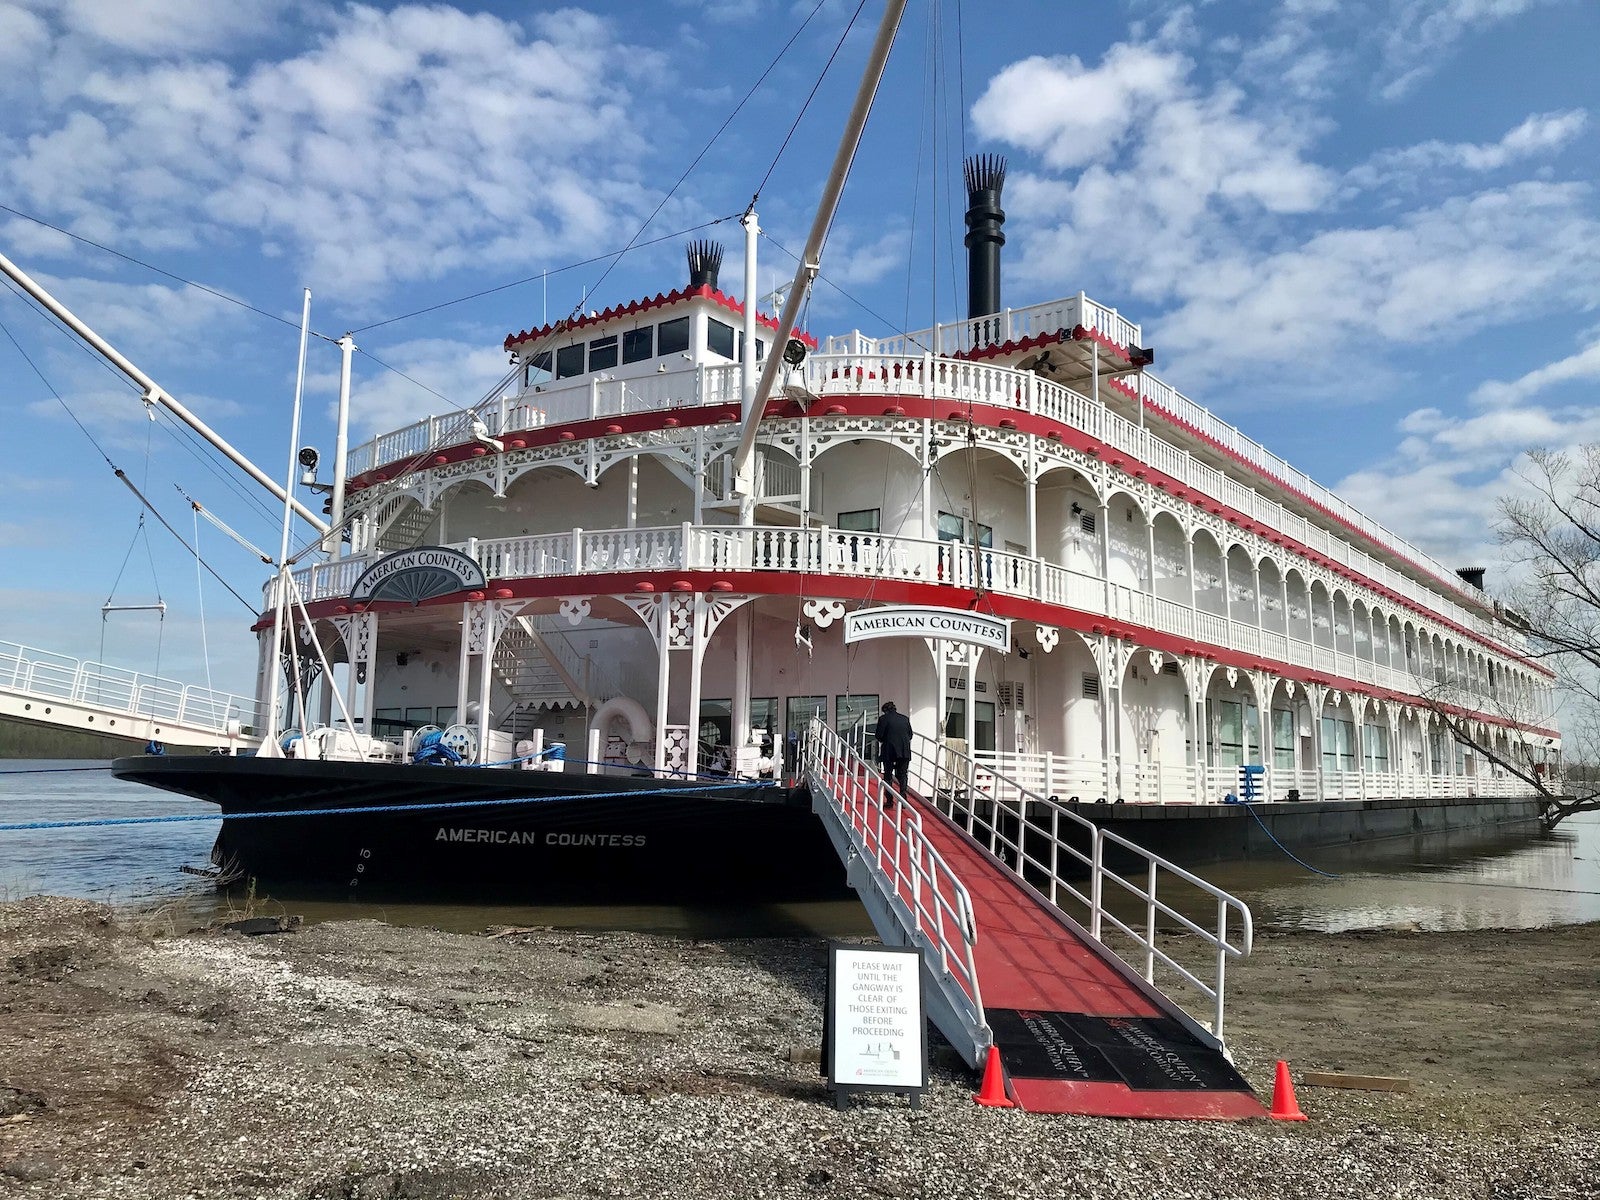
(1169, 400)
(1008, 325)
(33, 672)
(821, 550)
(1072, 779)
(930, 900)
(880, 372)
(1037, 838)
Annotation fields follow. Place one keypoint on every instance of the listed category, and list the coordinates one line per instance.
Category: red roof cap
(637, 306)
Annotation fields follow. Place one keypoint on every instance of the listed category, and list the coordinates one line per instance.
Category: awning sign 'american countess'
(950, 624)
(417, 575)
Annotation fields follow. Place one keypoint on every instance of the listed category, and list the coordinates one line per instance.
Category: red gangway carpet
(1075, 1033)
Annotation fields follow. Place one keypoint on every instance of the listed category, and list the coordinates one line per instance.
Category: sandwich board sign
(875, 1037)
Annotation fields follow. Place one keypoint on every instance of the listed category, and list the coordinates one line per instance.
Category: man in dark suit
(894, 745)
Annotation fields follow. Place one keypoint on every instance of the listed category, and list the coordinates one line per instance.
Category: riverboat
(680, 529)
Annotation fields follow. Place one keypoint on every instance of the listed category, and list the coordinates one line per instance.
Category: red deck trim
(851, 587)
(649, 304)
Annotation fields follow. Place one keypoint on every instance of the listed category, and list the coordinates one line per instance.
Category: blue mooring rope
(55, 770)
(1314, 870)
(24, 826)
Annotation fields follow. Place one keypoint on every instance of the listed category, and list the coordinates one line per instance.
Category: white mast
(153, 393)
(341, 449)
(284, 583)
(811, 257)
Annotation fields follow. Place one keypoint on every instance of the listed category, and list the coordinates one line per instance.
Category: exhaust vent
(985, 176)
(705, 263)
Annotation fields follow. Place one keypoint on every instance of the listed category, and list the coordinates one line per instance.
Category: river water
(1513, 877)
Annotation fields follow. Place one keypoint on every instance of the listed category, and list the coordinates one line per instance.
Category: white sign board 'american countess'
(417, 575)
(949, 624)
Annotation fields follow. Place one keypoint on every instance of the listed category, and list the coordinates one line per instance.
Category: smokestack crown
(985, 175)
(705, 262)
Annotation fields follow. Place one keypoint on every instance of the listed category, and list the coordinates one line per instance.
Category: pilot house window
(719, 338)
(569, 361)
(603, 353)
(639, 344)
(673, 336)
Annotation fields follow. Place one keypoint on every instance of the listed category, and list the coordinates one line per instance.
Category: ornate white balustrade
(823, 551)
(961, 382)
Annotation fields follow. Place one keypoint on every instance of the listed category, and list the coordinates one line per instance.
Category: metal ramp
(973, 871)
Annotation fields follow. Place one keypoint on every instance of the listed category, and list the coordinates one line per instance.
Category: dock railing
(909, 878)
(1063, 859)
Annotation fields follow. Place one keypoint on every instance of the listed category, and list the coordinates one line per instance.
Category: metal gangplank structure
(121, 708)
(978, 874)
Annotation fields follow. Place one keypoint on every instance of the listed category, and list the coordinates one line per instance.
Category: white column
(464, 664)
(663, 676)
(743, 629)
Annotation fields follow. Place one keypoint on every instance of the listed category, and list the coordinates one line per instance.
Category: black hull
(401, 831)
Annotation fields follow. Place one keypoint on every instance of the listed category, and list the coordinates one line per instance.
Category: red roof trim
(648, 304)
(1077, 333)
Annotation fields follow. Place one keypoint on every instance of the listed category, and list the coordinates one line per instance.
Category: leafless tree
(1550, 531)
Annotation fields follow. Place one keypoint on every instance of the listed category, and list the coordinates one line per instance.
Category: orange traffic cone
(993, 1092)
(1284, 1106)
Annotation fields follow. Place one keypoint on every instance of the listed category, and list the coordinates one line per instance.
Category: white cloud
(1070, 114)
(1584, 365)
(1422, 32)
(1539, 134)
(169, 27)
(402, 145)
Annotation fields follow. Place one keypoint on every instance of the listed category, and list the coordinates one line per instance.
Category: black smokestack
(986, 175)
(705, 261)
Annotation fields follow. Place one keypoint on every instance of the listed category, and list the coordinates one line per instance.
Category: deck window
(538, 369)
(1377, 747)
(955, 723)
(672, 337)
(860, 520)
(1283, 738)
(1338, 744)
(716, 724)
(719, 338)
(763, 716)
(569, 361)
(603, 353)
(639, 344)
(797, 714)
(954, 529)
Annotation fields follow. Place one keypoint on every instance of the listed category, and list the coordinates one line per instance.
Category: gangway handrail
(952, 766)
(907, 869)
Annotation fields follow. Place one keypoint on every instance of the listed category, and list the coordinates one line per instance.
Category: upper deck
(1187, 444)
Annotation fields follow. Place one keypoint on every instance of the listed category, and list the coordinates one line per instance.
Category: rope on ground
(1314, 870)
(367, 810)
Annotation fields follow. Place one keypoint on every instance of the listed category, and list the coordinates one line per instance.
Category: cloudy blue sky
(1365, 231)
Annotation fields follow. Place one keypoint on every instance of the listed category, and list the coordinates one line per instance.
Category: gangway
(56, 691)
(973, 870)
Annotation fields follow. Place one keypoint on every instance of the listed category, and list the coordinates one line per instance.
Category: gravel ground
(361, 1061)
